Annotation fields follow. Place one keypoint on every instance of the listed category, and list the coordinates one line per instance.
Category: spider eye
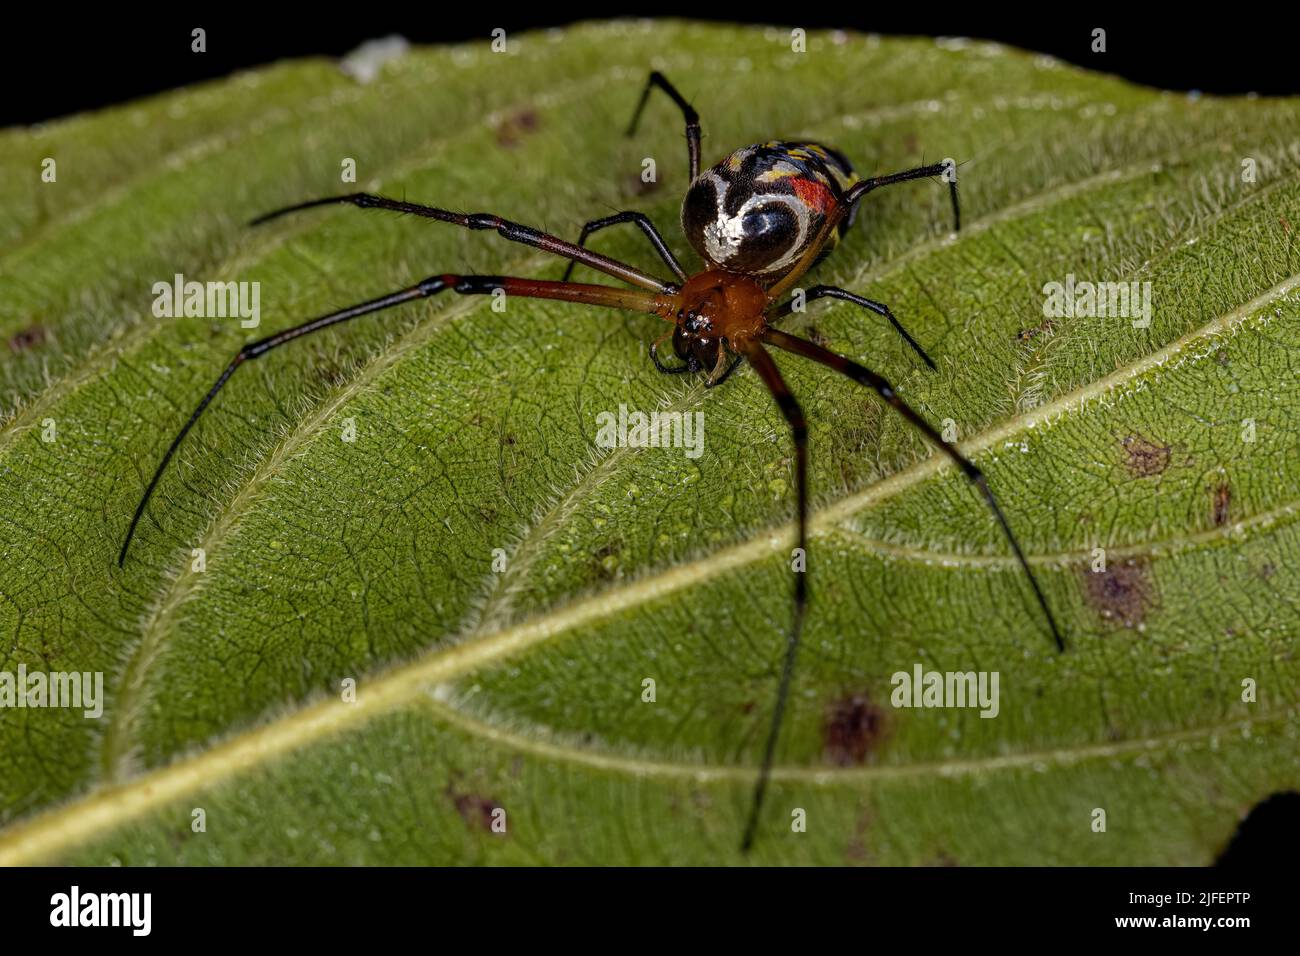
(681, 342)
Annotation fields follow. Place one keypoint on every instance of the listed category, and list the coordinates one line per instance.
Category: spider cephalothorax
(762, 207)
(760, 219)
(720, 315)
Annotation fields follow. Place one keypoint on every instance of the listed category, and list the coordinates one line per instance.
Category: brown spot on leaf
(1145, 457)
(475, 809)
(28, 338)
(1222, 501)
(512, 130)
(854, 727)
(1124, 593)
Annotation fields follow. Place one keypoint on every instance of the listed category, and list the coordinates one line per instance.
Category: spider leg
(845, 205)
(669, 369)
(726, 373)
(643, 222)
(513, 231)
(832, 292)
(688, 113)
(768, 372)
(861, 188)
(882, 388)
(631, 299)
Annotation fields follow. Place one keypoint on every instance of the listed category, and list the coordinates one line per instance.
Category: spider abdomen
(761, 208)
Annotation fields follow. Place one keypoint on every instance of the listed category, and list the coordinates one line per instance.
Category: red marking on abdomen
(813, 193)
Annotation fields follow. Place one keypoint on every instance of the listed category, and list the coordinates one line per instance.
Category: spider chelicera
(760, 219)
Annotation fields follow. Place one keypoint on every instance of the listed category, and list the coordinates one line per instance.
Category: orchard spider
(760, 219)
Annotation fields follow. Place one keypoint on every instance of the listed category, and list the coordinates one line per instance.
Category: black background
(62, 63)
(325, 910)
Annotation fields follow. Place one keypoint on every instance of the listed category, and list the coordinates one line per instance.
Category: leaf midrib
(40, 838)
(118, 740)
(104, 809)
(133, 691)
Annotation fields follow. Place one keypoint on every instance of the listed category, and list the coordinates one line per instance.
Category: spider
(760, 219)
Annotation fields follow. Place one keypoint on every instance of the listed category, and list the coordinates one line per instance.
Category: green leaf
(371, 560)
